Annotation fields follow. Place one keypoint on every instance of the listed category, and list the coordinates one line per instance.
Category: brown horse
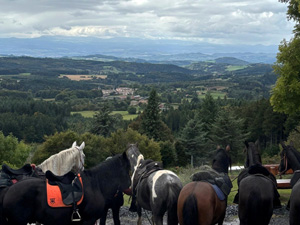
(203, 202)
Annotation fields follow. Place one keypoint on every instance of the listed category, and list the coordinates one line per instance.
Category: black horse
(290, 159)
(257, 194)
(252, 153)
(204, 200)
(25, 202)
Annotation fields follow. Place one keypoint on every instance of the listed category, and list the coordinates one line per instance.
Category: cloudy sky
(215, 21)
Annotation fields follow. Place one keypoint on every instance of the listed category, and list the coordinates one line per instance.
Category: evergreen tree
(228, 129)
(151, 119)
(104, 123)
(193, 140)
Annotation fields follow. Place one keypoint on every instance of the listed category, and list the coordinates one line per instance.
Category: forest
(206, 104)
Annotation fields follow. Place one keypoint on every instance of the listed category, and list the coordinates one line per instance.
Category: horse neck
(102, 179)
(253, 156)
(293, 160)
(62, 162)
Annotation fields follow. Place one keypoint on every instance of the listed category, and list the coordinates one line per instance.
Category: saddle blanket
(218, 191)
(54, 195)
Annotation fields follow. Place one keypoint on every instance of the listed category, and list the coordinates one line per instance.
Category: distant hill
(134, 49)
(231, 61)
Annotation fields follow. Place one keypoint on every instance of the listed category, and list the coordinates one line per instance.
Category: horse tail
(173, 193)
(190, 211)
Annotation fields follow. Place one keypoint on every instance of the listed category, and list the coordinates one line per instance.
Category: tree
(151, 122)
(13, 152)
(104, 123)
(293, 13)
(228, 129)
(193, 138)
(286, 93)
(151, 118)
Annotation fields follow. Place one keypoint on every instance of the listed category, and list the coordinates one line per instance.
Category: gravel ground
(280, 217)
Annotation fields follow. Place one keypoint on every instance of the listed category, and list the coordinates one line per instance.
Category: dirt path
(280, 217)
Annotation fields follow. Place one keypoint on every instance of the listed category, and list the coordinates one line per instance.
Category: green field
(90, 114)
(233, 68)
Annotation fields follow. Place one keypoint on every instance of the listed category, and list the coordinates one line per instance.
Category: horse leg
(139, 212)
(116, 212)
(104, 215)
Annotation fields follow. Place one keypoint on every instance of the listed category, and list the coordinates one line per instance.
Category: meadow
(125, 114)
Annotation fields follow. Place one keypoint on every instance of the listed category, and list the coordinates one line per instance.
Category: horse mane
(253, 156)
(294, 152)
(58, 163)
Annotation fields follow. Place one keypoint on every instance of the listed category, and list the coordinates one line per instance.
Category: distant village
(123, 93)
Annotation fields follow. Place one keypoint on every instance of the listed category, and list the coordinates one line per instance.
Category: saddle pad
(218, 191)
(54, 195)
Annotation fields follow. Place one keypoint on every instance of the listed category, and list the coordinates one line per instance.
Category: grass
(185, 173)
(90, 114)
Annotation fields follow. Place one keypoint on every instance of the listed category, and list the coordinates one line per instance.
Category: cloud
(219, 21)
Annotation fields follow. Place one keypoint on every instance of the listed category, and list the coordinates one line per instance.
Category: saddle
(10, 176)
(259, 170)
(64, 191)
(146, 168)
(221, 180)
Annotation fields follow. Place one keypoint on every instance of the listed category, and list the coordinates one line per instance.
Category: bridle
(81, 168)
(284, 158)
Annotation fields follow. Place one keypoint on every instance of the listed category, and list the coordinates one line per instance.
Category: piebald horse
(155, 189)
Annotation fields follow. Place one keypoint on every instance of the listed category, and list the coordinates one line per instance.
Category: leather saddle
(10, 176)
(70, 186)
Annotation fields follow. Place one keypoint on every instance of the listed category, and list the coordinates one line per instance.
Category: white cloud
(219, 21)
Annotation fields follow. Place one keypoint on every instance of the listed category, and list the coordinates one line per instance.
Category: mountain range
(134, 49)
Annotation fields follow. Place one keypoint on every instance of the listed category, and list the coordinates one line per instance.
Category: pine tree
(228, 129)
(193, 140)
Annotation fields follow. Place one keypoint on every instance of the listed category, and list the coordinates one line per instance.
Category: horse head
(252, 153)
(134, 156)
(222, 160)
(80, 161)
(290, 158)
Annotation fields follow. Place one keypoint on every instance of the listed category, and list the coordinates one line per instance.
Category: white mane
(65, 161)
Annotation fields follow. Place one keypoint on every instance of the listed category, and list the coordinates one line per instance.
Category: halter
(285, 160)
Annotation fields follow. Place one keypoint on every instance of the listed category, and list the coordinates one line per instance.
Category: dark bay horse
(257, 195)
(198, 202)
(154, 188)
(290, 159)
(25, 202)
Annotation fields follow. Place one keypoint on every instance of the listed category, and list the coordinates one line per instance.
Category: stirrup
(76, 216)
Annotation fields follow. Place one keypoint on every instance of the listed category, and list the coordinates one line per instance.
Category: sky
(215, 21)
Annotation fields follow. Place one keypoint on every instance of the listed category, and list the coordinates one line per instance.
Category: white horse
(71, 159)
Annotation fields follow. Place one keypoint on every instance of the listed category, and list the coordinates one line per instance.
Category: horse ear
(283, 145)
(246, 143)
(82, 146)
(227, 148)
(74, 144)
(257, 144)
(124, 155)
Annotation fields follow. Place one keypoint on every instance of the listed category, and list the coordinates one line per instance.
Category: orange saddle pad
(54, 196)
